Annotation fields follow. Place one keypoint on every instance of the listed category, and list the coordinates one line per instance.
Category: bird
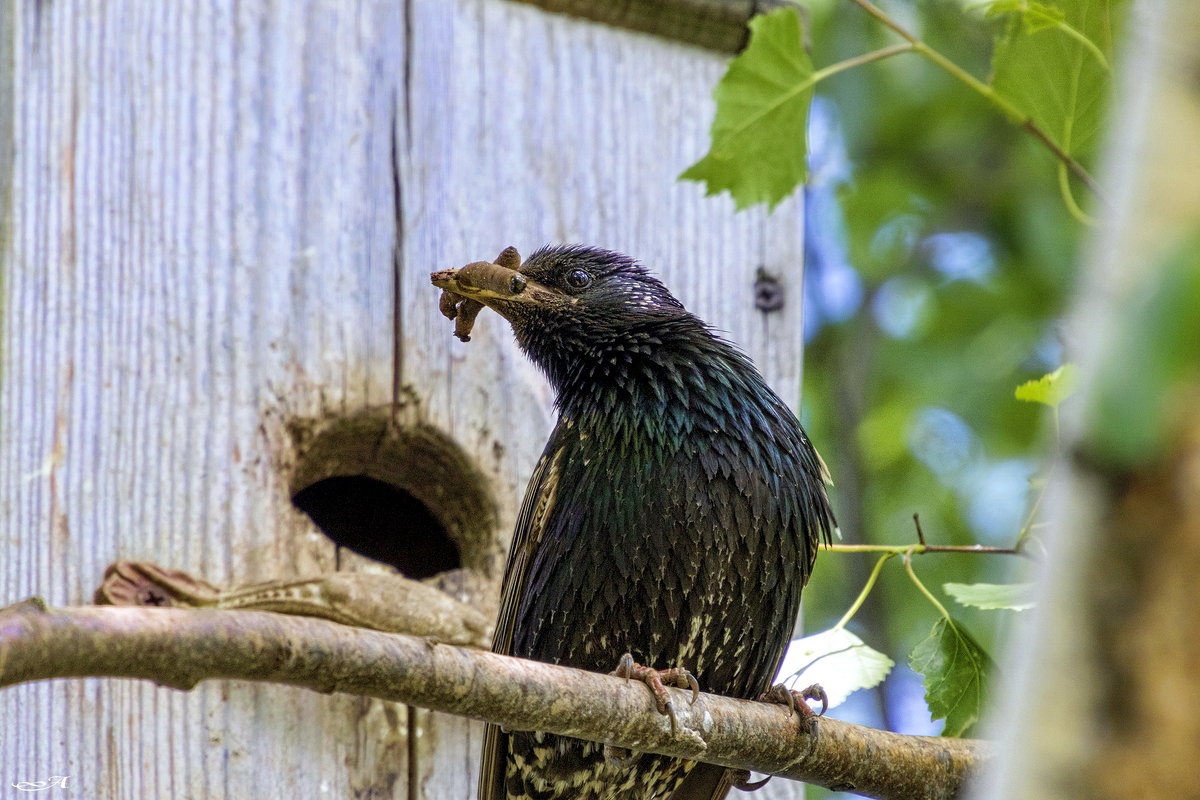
(674, 514)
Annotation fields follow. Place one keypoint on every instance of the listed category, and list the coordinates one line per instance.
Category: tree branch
(918, 549)
(390, 603)
(181, 647)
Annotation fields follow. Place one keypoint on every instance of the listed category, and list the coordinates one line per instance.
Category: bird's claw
(740, 780)
(657, 680)
(797, 701)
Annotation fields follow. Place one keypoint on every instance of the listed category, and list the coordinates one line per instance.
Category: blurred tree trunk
(1106, 703)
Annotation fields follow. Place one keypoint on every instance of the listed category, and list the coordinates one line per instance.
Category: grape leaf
(1051, 61)
(955, 671)
(836, 659)
(759, 152)
(1012, 596)
(1050, 389)
(1035, 16)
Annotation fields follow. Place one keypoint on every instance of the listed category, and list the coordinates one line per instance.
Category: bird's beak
(491, 284)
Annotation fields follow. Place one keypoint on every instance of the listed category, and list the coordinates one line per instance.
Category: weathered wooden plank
(201, 238)
(200, 229)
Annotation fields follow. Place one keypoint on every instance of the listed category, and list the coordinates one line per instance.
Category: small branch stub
(381, 602)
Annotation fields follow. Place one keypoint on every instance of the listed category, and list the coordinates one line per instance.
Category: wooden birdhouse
(222, 355)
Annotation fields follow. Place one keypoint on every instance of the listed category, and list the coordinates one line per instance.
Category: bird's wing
(531, 524)
(536, 508)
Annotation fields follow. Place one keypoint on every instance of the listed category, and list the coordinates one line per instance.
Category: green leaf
(1050, 389)
(1035, 16)
(836, 659)
(759, 152)
(956, 670)
(1051, 61)
(1038, 17)
(1001, 7)
(1012, 596)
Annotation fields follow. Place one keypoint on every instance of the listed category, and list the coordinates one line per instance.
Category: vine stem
(857, 61)
(1064, 189)
(999, 101)
(866, 590)
(917, 581)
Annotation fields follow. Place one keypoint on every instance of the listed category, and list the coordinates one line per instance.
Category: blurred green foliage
(1071, 40)
(957, 232)
(930, 157)
(963, 248)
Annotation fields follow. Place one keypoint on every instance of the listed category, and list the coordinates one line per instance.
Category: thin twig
(912, 575)
(858, 61)
(918, 549)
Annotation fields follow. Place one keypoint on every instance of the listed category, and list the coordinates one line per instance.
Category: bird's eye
(578, 279)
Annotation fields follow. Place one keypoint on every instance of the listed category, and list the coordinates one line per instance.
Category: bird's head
(569, 302)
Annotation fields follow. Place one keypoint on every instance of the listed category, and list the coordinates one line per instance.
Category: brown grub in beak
(463, 310)
(498, 279)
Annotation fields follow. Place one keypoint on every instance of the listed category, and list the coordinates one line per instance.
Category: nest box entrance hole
(358, 513)
(408, 496)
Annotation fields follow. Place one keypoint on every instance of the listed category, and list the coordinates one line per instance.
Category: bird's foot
(657, 680)
(797, 701)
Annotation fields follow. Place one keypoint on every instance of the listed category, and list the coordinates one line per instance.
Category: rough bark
(391, 603)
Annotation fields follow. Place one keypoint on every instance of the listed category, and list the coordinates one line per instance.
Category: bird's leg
(657, 679)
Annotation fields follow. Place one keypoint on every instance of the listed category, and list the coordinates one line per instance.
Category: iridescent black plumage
(675, 514)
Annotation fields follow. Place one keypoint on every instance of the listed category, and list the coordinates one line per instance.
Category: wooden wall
(219, 218)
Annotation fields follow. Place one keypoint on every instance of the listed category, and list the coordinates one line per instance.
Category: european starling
(674, 514)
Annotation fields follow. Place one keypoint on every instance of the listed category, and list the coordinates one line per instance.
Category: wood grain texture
(200, 241)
